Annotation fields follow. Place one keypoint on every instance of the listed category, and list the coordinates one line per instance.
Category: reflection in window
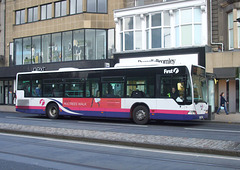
(67, 46)
(78, 45)
(36, 50)
(56, 48)
(92, 87)
(230, 30)
(100, 44)
(26, 50)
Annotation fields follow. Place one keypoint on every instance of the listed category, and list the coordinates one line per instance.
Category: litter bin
(211, 115)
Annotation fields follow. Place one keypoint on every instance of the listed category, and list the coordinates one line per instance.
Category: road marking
(36, 119)
(112, 124)
(213, 130)
(125, 147)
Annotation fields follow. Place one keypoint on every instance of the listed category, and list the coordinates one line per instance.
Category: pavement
(209, 146)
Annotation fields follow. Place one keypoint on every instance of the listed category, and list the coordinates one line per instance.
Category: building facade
(51, 34)
(224, 60)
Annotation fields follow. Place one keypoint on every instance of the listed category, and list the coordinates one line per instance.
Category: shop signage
(38, 68)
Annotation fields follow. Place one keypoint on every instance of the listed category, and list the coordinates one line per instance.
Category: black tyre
(53, 111)
(141, 115)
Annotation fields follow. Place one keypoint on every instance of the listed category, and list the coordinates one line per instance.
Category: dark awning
(226, 73)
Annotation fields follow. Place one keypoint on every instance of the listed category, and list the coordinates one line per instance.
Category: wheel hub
(140, 115)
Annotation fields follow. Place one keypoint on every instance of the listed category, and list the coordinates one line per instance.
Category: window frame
(20, 17)
(61, 8)
(33, 19)
(46, 11)
(76, 7)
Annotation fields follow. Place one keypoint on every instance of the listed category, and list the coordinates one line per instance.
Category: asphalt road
(193, 129)
(26, 152)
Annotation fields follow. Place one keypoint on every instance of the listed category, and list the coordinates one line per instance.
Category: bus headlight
(192, 113)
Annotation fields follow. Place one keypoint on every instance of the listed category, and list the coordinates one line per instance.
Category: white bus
(140, 93)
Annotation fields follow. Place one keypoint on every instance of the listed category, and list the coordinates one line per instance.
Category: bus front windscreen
(199, 84)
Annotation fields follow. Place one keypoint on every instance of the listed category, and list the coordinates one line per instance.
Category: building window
(95, 48)
(238, 16)
(75, 6)
(89, 44)
(188, 27)
(32, 14)
(60, 8)
(98, 6)
(67, 46)
(111, 44)
(139, 2)
(20, 17)
(230, 30)
(46, 11)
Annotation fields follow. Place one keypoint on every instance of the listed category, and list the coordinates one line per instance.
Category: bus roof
(117, 67)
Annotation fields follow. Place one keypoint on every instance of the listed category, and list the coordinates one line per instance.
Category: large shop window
(89, 44)
(97, 6)
(188, 27)
(32, 14)
(20, 17)
(46, 11)
(75, 6)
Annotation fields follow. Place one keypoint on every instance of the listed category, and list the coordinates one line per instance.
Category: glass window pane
(74, 89)
(30, 14)
(91, 6)
(18, 17)
(102, 6)
(197, 15)
(26, 50)
(36, 49)
(121, 24)
(176, 17)
(156, 38)
(72, 6)
(56, 48)
(37, 88)
(138, 40)
(238, 37)
(67, 46)
(64, 8)
(139, 2)
(35, 14)
(90, 49)
(49, 11)
(43, 12)
(156, 20)
(128, 23)
(57, 9)
(197, 34)
(186, 35)
(92, 87)
(46, 48)
(101, 44)
(138, 22)
(121, 37)
(22, 16)
(147, 21)
(230, 20)
(110, 43)
(79, 6)
(167, 37)
(186, 16)
(129, 40)
(166, 16)
(177, 37)
(78, 45)
(18, 51)
(231, 39)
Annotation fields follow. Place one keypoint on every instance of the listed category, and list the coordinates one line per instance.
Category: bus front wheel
(141, 115)
(53, 111)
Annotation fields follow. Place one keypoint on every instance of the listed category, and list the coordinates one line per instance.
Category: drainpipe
(213, 43)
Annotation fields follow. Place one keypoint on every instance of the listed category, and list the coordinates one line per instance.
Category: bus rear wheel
(141, 115)
(53, 111)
